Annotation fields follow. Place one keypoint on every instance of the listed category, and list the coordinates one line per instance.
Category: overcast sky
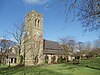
(55, 26)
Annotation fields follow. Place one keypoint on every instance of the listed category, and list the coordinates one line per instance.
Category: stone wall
(33, 45)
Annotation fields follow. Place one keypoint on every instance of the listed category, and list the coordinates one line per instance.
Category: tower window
(38, 23)
(35, 21)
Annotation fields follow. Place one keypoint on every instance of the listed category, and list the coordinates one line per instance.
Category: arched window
(38, 23)
(11, 60)
(35, 21)
(15, 60)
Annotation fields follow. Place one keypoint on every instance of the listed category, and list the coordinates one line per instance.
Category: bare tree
(80, 48)
(5, 44)
(88, 49)
(96, 50)
(18, 35)
(67, 44)
(88, 46)
(97, 43)
(87, 11)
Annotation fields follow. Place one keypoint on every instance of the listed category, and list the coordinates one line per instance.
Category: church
(35, 49)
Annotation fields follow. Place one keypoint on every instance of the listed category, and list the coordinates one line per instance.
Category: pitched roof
(52, 47)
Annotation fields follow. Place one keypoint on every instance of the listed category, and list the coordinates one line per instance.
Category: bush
(77, 57)
(53, 59)
(61, 60)
(76, 62)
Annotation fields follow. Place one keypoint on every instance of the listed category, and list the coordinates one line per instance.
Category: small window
(38, 23)
(11, 60)
(15, 60)
(35, 21)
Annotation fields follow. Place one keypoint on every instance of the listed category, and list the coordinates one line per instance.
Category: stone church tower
(33, 38)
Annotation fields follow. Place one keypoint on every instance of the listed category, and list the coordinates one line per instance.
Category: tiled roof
(52, 47)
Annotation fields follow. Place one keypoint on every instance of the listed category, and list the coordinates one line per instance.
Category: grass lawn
(92, 63)
(57, 69)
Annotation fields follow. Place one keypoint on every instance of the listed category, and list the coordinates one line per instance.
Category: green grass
(56, 69)
(92, 63)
